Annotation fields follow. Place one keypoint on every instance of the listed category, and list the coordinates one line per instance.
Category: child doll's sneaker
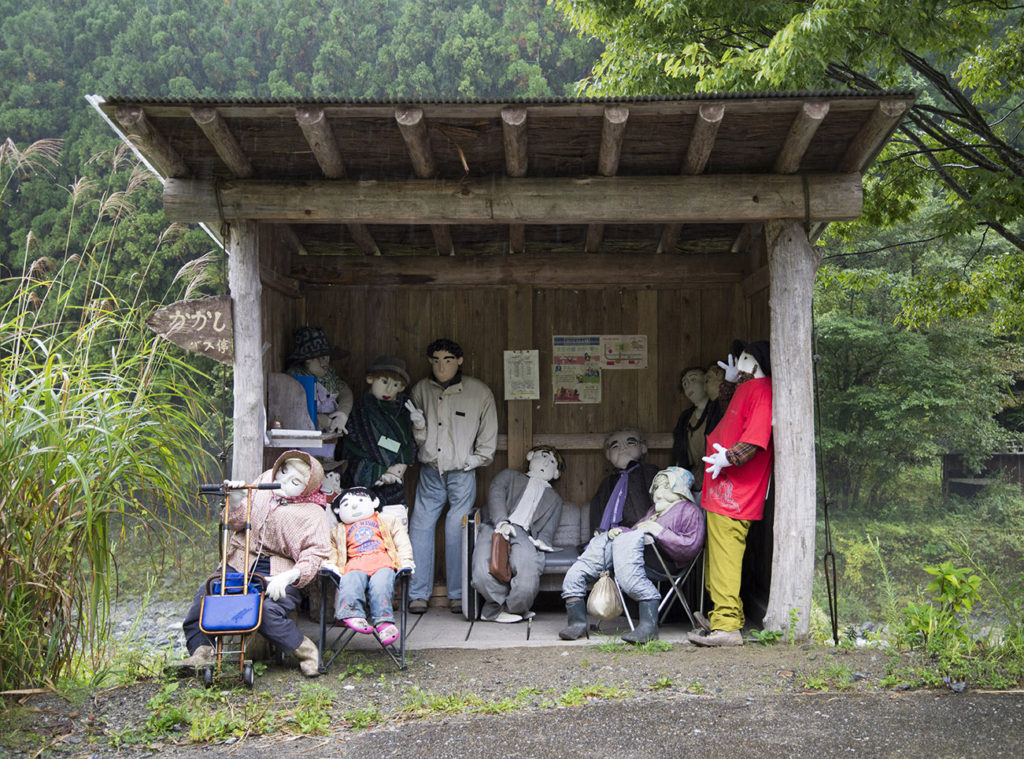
(387, 632)
(358, 624)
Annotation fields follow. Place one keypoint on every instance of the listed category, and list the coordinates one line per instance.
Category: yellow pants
(726, 542)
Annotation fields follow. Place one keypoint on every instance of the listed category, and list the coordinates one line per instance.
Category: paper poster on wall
(576, 368)
(522, 375)
(623, 351)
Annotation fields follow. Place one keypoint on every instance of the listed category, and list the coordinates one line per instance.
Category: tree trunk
(793, 262)
(246, 296)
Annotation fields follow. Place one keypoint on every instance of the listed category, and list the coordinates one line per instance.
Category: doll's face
(661, 491)
(318, 366)
(292, 477)
(693, 386)
(543, 465)
(385, 388)
(444, 365)
(623, 449)
(352, 507)
(746, 363)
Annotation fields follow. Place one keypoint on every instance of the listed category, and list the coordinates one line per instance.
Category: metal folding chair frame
(341, 640)
(675, 591)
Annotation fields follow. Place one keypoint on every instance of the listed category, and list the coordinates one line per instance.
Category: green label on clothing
(388, 444)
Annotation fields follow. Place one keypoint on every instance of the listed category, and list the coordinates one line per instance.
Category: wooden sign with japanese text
(199, 326)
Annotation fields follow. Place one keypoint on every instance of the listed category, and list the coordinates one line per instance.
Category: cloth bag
(500, 568)
(603, 601)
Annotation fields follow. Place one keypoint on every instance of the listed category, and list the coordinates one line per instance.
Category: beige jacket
(461, 421)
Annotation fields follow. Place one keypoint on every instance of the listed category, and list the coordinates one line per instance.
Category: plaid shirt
(291, 533)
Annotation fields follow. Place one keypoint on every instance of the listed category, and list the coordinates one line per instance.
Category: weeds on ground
(612, 646)
(832, 677)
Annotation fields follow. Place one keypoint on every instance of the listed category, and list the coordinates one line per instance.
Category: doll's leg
(381, 591)
(461, 495)
(594, 560)
(351, 601)
(526, 565)
(493, 590)
(430, 499)
(628, 561)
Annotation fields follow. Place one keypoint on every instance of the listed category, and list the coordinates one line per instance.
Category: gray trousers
(277, 627)
(527, 562)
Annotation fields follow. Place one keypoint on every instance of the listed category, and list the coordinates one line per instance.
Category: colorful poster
(576, 369)
(522, 375)
(623, 351)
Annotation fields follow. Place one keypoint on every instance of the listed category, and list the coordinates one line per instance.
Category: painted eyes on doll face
(544, 465)
(444, 365)
(292, 481)
(318, 366)
(628, 444)
(386, 388)
(747, 363)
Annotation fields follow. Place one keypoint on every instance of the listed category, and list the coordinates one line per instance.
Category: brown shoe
(716, 638)
(309, 658)
(418, 606)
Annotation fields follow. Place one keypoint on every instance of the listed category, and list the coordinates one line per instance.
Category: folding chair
(344, 634)
(676, 578)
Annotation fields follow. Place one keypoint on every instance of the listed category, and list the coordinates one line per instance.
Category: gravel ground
(753, 701)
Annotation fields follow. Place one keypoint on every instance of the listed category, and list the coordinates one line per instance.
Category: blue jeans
(458, 490)
(624, 555)
(355, 586)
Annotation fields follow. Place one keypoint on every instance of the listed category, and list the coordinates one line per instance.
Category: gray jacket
(503, 495)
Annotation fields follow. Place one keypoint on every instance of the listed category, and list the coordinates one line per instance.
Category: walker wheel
(247, 673)
(207, 676)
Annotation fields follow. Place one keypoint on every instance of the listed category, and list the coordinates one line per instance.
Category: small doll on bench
(367, 549)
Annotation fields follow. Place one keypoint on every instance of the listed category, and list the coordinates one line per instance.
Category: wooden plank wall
(684, 327)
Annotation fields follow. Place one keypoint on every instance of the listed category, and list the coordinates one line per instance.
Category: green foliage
(767, 637)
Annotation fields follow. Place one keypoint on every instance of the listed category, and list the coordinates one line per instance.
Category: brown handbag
(500, 568)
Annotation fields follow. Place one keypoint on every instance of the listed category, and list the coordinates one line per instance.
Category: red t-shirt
(738, 491)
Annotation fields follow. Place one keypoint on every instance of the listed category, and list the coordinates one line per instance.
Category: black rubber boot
(647, 626)
(576, 608)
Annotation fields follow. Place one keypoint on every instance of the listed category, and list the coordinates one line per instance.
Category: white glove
(614, 532)
(388, 478)
(505, 529)
(419, 421)
(233, 484)
(540, 544)
(279, 583)
(330, 568)
(731, 372)
(472, 462)
(650, 527)
(338, 422)
(717, 461)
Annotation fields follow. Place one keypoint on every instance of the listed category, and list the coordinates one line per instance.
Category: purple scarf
(612, 515)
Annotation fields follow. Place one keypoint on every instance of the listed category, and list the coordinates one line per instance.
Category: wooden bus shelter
(500, 224)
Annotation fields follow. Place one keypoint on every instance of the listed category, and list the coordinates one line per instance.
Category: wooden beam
(702, 141)
(793, 262)
(513, 130)
(500, 270)
(593, 441)
(320, 137)
(413, 127)
(496, 200)
(223, 141)
(246, 300)
(150, 142)
(519, 337)
(872, 136)
(756, 282)
(613, 128)
(811, 116)
(517, 238)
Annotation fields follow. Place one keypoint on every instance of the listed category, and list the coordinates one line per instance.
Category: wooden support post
(246, 297)
(792, 262)
(520, 337)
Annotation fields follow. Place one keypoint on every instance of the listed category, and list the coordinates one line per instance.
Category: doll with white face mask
(288, 541)
(380, 445)
(525, 510)
(367, 549)
(738, 471)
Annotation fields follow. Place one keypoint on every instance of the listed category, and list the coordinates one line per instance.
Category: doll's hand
(731, 372)
(614, 532)
(338, 422)
(472, 462)
(419, 421)
(505, 529)
(650, 527)
(278, 585)
(540, 544)
(717, 461)
(233, 484)
(388, 478)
